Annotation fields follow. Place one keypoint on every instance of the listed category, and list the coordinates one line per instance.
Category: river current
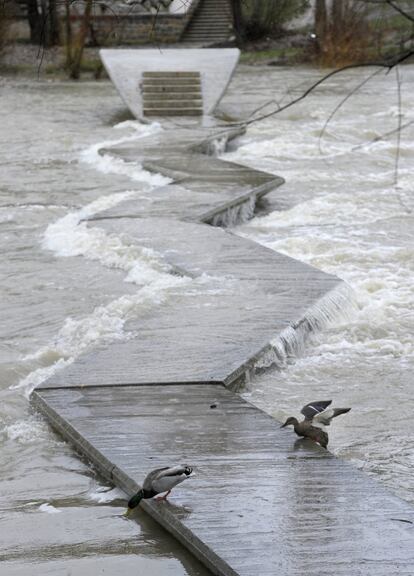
(66, 288)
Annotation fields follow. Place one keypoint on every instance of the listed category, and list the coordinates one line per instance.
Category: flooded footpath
(68, 288)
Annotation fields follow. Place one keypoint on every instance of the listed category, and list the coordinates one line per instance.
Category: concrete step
(215, 15)
(168, 74)
(222, 13)
(171, 96)
(209, 33)
(168, 80)
(212, 22)
(212, 27)
(173, 112)
(171, 93)
(208, 27)
(172, 90)
(193, 103)
(205, 37)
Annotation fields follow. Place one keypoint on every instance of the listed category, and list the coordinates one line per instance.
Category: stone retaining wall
(115, 27)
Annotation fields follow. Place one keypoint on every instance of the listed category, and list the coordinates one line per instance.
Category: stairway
(211, 23)
(172, 94)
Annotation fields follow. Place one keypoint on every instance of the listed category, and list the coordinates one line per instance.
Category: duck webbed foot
(161, 498)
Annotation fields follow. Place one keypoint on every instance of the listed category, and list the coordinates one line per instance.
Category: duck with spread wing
(316, 415)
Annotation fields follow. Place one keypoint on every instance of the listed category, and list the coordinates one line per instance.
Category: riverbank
(23, 58)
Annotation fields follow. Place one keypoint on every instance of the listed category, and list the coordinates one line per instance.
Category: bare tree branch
(388, 66)
(400, 10)
(383, 136)
(341, 103)
(397, 154)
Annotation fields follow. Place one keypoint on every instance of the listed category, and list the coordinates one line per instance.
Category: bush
(267, 17)
(3, 26)
(343, 34)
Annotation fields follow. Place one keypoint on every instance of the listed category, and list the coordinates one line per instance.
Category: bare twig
(397, 154)
(400, 10)
(382, 136)
(388, 66)
(341, 103)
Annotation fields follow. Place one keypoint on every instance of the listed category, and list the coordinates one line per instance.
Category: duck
(316, 415)
(158, 481)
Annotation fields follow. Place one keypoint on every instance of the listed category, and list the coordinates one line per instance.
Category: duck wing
(326, 416)
(147, 485)
(318, 435)
(167, 478)
(314, 408)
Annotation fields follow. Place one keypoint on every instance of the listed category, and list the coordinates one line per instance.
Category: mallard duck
(316, 414)
(159, 481)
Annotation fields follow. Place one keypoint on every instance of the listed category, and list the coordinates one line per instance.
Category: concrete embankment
(260, 503)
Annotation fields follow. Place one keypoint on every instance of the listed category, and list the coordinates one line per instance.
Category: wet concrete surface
(214, 333)
(260, 502)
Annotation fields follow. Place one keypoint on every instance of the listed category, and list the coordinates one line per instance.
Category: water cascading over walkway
(259, 503)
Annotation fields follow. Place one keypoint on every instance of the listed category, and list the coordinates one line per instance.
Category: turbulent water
(66, 288)
(349, 212)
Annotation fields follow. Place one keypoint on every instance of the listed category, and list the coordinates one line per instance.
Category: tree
(257, 18)
(75, 42)
(43, 22)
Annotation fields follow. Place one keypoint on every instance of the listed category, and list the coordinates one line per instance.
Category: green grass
(15, 68)
(89, 66)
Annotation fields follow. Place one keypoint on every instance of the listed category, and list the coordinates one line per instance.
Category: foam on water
(347, 217)
(335, 307)
(107, 322)
(105, 494)
(108, 164)
(336, 209)
(36, 377)
(71, 236)
(26, 432)
(379, 273)
(49, 509)
(236, 214)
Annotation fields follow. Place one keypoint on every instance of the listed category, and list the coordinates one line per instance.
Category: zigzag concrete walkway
(259, 503)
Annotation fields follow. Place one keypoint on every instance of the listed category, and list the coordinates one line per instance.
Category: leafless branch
(341, 103)
(400, 10)
(388, 66)
(383, 136)
(397, 154)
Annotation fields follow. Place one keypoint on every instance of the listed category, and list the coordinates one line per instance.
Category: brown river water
(66, 288)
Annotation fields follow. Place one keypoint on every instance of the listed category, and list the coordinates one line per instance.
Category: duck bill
(128, 512)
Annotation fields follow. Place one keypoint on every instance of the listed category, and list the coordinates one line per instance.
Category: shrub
(342, 30)
(267, 17)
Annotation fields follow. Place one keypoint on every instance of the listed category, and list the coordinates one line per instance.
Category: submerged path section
(259, 503)
(206, 335)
